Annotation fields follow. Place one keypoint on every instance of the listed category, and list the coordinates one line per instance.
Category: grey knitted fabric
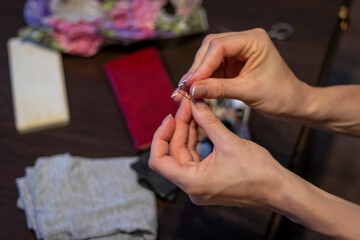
(66, 197)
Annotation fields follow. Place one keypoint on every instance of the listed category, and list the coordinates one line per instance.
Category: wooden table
(98, 129)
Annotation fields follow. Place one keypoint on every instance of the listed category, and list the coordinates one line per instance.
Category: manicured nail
(174, 93)
(182, 80)
(166, 118)
(199, 104)
(185, 78)
(199, 91)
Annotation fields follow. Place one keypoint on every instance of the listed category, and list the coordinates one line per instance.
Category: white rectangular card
(38, 86)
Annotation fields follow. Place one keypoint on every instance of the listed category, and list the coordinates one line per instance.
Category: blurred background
(98, 129)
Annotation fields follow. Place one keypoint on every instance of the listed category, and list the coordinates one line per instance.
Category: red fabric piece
(142, 88)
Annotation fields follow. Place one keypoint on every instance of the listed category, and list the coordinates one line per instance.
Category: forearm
(316, 209)
(335, 108)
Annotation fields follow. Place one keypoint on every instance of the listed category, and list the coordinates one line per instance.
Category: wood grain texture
(98, 128)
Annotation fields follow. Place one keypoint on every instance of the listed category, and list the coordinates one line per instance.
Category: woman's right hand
(245, 66)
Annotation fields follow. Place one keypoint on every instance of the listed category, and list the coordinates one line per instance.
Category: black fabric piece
(162, 187)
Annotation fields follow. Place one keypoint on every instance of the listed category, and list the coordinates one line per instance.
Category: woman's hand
(238, 172)
(245, 66)
(241, 173)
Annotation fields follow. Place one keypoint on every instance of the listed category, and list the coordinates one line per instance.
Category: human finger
(199, 57)
(218, 88)
(179, 142)
(204, 48)
(178, 95)
(240, 46)
(159, 159)
(211, 125)
(192, 140)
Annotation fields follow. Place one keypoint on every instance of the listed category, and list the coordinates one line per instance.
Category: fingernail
(199, 91)
(166, 118)
(174, 93)
(199, 104)
(182, 80)
(185, 78)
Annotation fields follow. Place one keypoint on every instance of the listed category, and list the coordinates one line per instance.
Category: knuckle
(209, 37)
(214, 43)
(260, 32)
(209, 119)
(221, 89)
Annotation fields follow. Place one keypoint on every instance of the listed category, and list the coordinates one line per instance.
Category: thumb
(207, 120)
(216, 88)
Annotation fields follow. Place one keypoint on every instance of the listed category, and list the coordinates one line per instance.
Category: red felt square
(142, 88)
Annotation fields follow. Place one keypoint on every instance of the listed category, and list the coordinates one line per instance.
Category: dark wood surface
(97, 127)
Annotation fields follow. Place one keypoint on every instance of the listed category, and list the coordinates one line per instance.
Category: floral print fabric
(82, 27)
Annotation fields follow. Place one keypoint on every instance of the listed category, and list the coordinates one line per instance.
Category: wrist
(299, 200)
(302, 106)
(332, 108)
(273, 194)
(305, 204)
(290, 197)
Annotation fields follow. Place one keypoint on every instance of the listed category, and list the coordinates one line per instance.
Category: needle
(185, 95)
(221, 108)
